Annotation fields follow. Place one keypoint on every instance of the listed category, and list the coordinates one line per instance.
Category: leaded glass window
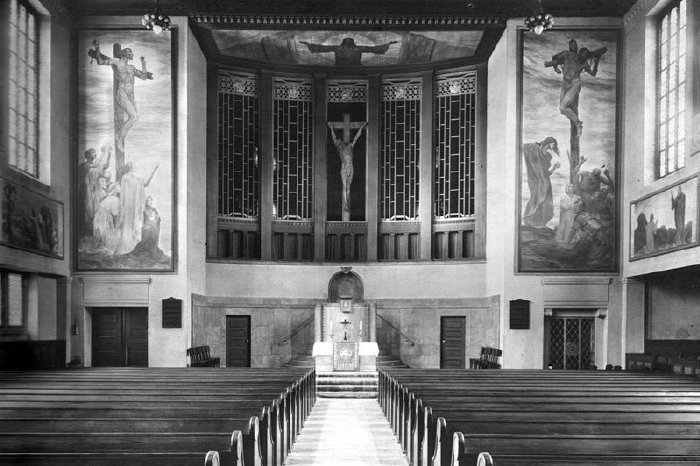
(293, 149)
(11, 299)
(672, 89)
(238, 145)
(455, 142)
(400, 127)
(23, 88)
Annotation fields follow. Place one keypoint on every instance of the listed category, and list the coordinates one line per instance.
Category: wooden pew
(457, 398)
(137, 418)
(531, 449)
(467, 404)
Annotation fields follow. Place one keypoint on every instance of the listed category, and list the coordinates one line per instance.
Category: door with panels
(120, 337)
(452, 342)
(237, 341)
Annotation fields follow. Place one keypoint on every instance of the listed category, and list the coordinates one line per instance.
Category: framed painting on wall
(126, 176)
(665, 221)
(694, 65)
(30, 221)
(567, 151)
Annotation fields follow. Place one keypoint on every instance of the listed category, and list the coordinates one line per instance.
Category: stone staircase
(386, 359)
(302, 360)
(346, 384)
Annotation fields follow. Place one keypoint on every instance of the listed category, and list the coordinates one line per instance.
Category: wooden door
(136, 337)
(237, 341)
(119, 337)
(452, 342)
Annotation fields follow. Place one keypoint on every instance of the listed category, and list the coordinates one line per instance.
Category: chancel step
(346, 384)
(302, 360)
(388, 360)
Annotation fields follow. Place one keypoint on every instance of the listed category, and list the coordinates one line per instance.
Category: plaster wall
(419, 320)
(674, 308)
(639, 109)
(278, 329)
(525, 348)
(167, 347)
(47, 304)
(415, 280)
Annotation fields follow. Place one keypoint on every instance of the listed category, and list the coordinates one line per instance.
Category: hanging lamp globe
(156, 21)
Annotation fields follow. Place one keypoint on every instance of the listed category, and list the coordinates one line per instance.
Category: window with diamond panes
(293, 149)
(400, 128)
(23, 88)
(12, 302)
(455, 132)
(672, 89)
(238, 146)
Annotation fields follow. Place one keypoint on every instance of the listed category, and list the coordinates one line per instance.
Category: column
(633, 319)
(373, 322)
(63, 308)
(318, 323)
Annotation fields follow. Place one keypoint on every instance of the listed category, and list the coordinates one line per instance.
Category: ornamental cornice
(636, 13)
(223, 21)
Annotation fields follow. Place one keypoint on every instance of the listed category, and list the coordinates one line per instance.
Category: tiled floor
(346, 432)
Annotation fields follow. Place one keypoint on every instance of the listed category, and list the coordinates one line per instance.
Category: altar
(344, 338)
(345, 329)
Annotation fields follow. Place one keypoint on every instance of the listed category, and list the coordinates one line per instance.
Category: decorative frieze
(223, 21)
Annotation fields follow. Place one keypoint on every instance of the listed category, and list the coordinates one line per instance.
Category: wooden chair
(488, 359)
(200, 357)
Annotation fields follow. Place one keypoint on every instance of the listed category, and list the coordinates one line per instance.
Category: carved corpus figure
(345, 152)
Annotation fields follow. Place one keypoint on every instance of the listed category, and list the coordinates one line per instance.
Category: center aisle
(346, 432)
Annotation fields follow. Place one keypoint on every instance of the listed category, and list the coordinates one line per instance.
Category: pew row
(512, 417)
(120, 417)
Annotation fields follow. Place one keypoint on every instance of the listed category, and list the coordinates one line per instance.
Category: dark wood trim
(212, 161)
(427, 110)
(265, 142)
(372, 178)
(320, 168)
(480, 162)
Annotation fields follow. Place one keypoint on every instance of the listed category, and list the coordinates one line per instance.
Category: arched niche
(346, 284)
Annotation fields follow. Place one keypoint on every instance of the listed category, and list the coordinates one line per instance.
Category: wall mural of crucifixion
(125, 215)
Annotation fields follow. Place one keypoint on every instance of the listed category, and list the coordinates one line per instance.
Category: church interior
(314, 187)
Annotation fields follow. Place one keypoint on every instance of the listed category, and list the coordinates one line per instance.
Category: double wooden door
(119, 337)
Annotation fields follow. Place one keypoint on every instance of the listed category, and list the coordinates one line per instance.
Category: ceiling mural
(347, 48)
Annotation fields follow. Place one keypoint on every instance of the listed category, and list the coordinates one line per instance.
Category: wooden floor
(346, 432)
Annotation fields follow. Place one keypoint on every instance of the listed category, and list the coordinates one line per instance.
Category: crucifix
(125, 113)
(345, 324)
(345, 147)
